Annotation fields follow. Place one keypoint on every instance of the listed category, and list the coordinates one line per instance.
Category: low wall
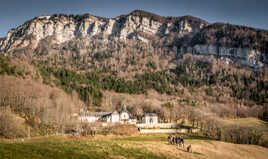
(159, 125)
(183, 131)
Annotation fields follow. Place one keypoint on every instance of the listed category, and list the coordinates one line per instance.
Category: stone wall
(159, 125)
(183, 131)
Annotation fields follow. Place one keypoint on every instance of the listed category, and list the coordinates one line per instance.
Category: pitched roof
(124, 109)
(109, 114)
(96, 114)
(151, 114)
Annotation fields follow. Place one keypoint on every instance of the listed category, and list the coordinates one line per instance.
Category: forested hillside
(181, 68)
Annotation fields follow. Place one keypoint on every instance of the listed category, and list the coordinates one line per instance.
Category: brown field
(137, 146)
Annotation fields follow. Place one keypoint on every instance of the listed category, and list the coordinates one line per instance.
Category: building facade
(150, 119)
(124, 114)
(109, 117)
(90, 116)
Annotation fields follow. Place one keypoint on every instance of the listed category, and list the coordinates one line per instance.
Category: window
(151, 120)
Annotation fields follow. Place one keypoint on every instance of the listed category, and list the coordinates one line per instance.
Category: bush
(264, 143)
(10, 127)
(209, 91)
(168, 105)
(6, 68)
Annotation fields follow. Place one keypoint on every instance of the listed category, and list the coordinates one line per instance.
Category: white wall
(108, 119)
(124, 116)
(115, 118)
(184, 131)
(158, 125)
(151, 120)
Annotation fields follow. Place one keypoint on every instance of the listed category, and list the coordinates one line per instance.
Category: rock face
(244, 56)
(66, 28)
(185, 34)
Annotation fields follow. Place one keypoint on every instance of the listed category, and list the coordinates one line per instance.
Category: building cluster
(124, 116)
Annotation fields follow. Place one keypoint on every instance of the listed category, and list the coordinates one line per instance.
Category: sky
(252, 13)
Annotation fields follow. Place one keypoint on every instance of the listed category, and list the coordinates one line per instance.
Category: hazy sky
(244, 12)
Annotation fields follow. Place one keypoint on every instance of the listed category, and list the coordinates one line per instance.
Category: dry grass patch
(138, 146)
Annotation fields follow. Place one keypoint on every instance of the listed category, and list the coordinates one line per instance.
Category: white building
(111, 117)
(90, 116)
(150, 119)
(124, 114)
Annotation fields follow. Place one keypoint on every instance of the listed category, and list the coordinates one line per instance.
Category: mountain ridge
(186, 34)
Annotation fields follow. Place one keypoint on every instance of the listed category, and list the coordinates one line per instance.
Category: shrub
(6, 68)
(168, 105)
(264, 142)
(10, 127)
(209, 91)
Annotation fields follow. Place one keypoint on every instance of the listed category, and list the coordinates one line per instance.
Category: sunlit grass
(247, 121)
(78, 149)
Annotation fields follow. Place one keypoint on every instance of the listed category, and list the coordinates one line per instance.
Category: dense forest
(190, 73)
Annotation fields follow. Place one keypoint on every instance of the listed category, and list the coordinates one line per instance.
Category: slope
(128, 147)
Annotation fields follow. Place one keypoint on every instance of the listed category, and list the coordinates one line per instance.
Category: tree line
(190, 74)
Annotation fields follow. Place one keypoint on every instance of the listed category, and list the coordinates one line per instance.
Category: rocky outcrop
(188, 34)
(245, 45)
(245, 56)
(68, 27)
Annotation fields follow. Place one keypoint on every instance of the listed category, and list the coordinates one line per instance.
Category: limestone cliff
(183, 34)
(68, 27)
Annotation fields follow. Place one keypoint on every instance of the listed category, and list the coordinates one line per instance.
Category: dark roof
(97, 114)
(108, 114)
(150, 114)
(124, 109)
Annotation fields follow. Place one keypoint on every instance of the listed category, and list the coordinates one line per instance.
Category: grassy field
(139, 146)
(248, 121)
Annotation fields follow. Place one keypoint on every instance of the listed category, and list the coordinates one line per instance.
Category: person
(173, 139)
(182, 142)
(169, 139)
(178, 140)
(189, 148)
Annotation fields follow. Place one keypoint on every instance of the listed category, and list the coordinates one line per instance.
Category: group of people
(179, 141)
(176, 140)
